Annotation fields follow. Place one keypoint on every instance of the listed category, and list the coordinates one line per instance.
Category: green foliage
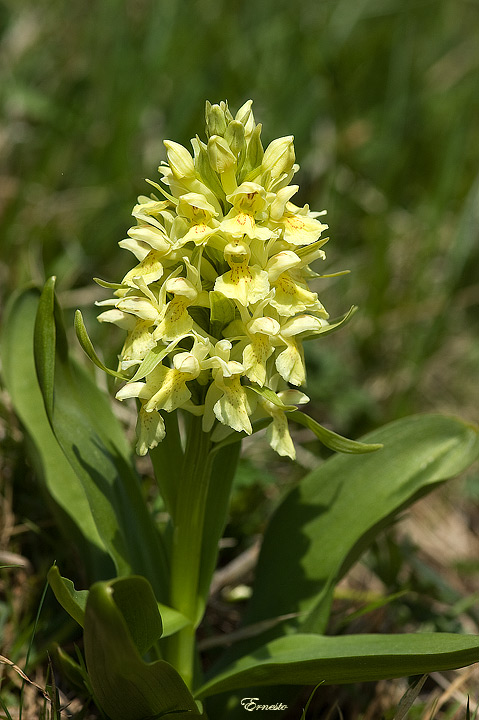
(63, 489)
(95, 446)
(318, 531)
(121, 622)
(326, 522)
(303, 659)
(74, 602)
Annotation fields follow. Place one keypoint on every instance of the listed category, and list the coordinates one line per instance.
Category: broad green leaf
(63, 489)
(71, 600)
(125, 686)
(45, 344)
(332, 440)
(134, 598)
(304, 659)
(74, 601)
(326, 522)
(95, 446)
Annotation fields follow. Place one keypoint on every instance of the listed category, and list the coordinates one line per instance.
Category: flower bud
(185, 362)
(235, 137)
(215, 120)
(254, 153)
(265, 325)
(220, 156)
(246, 118)
(279, 157)
(180, 161)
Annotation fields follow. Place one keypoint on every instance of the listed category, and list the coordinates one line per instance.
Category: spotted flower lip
(218, 302)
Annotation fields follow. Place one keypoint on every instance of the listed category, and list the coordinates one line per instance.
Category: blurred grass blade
(369, 607)
(407, 700)
(303, 716)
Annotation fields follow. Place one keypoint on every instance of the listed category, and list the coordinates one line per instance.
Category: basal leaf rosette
(218, 305)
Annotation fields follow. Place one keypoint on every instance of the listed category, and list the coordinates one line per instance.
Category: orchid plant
(216, 310)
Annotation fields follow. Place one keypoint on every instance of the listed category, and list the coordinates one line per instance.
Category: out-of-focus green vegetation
(382, 100)
(381, 96)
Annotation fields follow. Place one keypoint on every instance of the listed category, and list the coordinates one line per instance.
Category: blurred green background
(381, 96)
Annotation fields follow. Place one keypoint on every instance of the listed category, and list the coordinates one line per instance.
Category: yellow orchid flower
(150, 269)
(248, 200)
(290, 362)
(150, 430)
(175, 318)
(226, 398)
(293, 296)
(164, 388)
(200, 214)
(277, 433)
(245, 283)
(260, 332)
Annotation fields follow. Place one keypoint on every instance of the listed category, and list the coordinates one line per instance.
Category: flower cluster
(218, 304)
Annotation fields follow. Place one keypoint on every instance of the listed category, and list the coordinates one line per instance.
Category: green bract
(219, 304)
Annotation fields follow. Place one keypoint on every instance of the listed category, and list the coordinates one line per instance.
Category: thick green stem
(189, 518)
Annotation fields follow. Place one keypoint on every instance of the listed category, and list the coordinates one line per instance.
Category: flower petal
(244, 283)
(150, 429)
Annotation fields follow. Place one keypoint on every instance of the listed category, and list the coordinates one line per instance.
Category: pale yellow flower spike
(218, 305)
